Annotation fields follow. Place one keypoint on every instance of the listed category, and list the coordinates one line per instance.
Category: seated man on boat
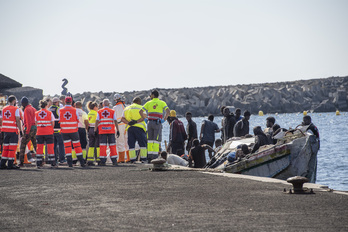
(307, 121)
(260, 139)
(270, 121)
(242, 151)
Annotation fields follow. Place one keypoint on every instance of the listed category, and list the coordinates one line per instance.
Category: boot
(114, 161)
(121, 157)
(10, 165)
(3, 163)
(69, 161)
(82, 161)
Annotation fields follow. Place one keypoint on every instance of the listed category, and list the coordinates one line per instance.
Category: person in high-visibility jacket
(121, 141)
(44, 121)
(155, 109)
(68, 118)
(105, 123)
(136, 129)
(93, 137)
(11, 124)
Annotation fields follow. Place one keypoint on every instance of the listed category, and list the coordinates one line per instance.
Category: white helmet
(117, 96)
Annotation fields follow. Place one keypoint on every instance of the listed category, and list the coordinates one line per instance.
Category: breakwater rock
(316, 95)
(9, 86)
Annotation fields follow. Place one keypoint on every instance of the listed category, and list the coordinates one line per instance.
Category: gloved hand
(118, 134)
(95, 132)
(146, 120)
(162, 121)
(21, 134)
(131, 123)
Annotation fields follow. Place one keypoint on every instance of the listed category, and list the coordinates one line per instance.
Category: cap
(172, 113)
(24, 100)
(68, 99)
(117, 96)
(55, 99)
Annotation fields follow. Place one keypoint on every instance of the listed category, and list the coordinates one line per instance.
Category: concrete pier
(132, 198)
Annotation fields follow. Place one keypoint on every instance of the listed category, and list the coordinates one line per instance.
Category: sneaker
(13, 167)
(90, 164)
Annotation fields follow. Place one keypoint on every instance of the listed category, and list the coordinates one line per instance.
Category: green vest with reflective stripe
(132, 113)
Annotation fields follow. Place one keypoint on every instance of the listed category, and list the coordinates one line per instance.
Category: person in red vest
(11, 124)
(44, 121)
(69, 119)
(29, 128)
(106, 122)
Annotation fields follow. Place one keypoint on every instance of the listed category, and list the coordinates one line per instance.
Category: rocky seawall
(316, 95)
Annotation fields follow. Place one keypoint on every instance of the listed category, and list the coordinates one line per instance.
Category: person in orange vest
(11, 124)
(105, 123)
(69, 120)
(44, 121)
(121, 142)
(29, 128)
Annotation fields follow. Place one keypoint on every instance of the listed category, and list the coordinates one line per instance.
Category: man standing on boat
(154, 109)
(242, 127)
(208, 130)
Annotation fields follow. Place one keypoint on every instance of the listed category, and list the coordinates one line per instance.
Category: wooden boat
(295, 154)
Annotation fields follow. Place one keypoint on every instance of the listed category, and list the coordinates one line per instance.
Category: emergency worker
(155, 109)
(69, 119)
(121, 141)
(58, 139)
(11, 124)
(136, 129)
(44, 121)
(93, 137)
(106, 122)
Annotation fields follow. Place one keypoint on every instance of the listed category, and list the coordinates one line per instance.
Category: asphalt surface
(132, 198)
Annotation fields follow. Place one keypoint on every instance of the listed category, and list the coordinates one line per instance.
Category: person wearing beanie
(29, 128)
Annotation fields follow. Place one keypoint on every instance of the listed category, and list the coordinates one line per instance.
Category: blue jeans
(58, 140)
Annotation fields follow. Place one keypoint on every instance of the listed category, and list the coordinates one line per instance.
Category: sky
(118, 46)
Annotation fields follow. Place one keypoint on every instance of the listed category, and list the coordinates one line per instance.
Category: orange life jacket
(44, 122)
(106, 121)
(9, 119)
(68, 119)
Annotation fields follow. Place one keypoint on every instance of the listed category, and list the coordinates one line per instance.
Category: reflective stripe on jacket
(68, 119)
(9, 119)
(106, 123)
(132, 113)
(155, 108)
(44, 122)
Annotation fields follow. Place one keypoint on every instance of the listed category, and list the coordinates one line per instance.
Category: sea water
(332, 167)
